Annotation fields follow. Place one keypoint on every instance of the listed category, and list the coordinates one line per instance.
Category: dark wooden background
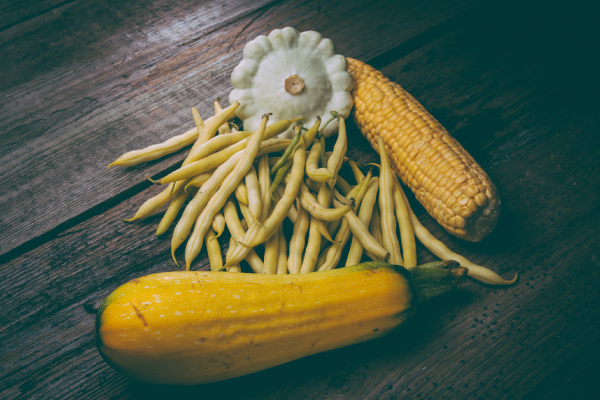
(515, 82)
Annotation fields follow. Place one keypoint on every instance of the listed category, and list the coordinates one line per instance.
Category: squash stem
(436, 278)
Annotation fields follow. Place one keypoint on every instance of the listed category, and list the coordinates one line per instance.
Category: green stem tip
(437, 278)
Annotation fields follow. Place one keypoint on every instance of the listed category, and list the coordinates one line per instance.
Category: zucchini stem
(436, 278)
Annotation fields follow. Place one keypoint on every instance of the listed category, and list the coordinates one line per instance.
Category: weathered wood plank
(128, 80)
(78, 97)
(15, 12)
(483, 342)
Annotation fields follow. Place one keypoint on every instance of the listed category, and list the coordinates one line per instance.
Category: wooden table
(81, 82)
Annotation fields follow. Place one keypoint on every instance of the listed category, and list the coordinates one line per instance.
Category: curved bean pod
(360, 230)
(233, 267)
(254, 197)
(171, 212)
(241, 194)
(218, 224)
(312, 205)
(366, 210)
(310, 134)
(375, 225)
(335, 161)
(264, 183)
(298, 240)
(157, 151)
(282, 256)
(223, 129)
(312, 165)
(215, 258)
(237, 231)
(199, 180)
(271, 254)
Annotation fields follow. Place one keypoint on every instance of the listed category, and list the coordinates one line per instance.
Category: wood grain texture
(77, 95)
(504, 96)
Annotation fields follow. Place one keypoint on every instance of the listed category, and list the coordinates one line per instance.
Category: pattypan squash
(291, 75)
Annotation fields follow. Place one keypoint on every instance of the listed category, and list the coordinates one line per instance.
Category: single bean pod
(386, 208)
(366, 210)
(215, 258)
(298, 240)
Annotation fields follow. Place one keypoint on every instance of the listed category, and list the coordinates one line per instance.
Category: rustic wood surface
(82, 82)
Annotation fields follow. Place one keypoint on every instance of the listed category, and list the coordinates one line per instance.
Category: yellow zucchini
(186, 328)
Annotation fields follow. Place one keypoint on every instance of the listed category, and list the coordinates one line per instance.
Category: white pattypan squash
(292, 75)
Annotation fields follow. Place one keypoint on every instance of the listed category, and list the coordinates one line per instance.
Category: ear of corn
(452, 187)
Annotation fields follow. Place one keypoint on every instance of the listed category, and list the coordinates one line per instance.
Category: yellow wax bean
(223, 129)
(288, 151)
(310, 134)
(157, 151)
(264, 183)
(312, 205)
(216, 159)
(271, 254)
(241, 194)
(171, 213)
(335, 161)
(282, 256)
(298, 240)
(199, 180)
(195, 207)
(237, 231)
(218, 143)
(312, 248)
(218, 200)
(257, 234)
(407, 234)
(246, 213)
(218, 224)
(233, 267)
(198, 152)
(199, 124)
(312, 165)
(254, 199)
(358, 174)
(360, 230)
(312, 185)
(324, 198)
(211, 127)
(213, 249)
(334, 254)
(386, 208)
(343, 234)
(322, 257)
(343, 186)
(366, 210)
(293, 213)
(375, 225)
(154, 204)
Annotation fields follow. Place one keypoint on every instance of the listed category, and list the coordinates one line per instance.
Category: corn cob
(447, 181)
